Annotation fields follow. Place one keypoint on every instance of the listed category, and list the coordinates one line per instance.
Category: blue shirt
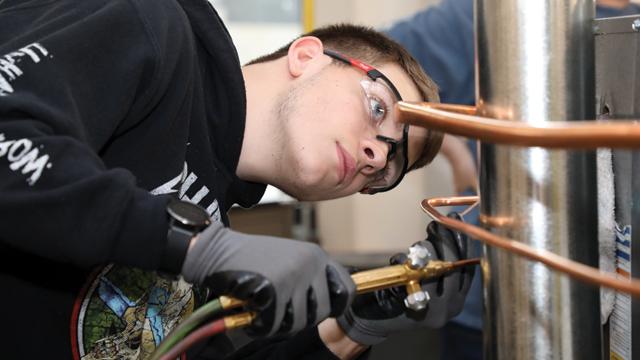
(441, 39)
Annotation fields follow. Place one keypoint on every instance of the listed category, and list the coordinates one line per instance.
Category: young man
(111, 111)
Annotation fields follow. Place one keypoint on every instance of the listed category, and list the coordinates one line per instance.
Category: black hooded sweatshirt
(108, 108)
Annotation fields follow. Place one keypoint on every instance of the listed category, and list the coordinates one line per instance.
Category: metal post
(535, 64)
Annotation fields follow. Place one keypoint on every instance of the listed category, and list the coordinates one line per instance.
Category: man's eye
(378, 110)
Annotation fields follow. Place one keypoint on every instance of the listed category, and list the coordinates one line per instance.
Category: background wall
(377, 13)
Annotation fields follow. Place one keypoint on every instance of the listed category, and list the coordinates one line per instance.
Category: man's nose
(374, 155)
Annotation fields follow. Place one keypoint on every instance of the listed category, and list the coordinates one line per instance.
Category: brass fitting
(228, 302)
(239, 320)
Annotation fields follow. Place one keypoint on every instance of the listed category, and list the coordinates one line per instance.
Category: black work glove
(373, 316)
(290, 284)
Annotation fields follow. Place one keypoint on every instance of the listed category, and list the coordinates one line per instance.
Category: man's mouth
(346, 165)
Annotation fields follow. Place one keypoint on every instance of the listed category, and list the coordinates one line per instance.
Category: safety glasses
(380, 96)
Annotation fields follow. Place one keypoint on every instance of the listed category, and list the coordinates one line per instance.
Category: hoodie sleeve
(441, 39)
(73, 77)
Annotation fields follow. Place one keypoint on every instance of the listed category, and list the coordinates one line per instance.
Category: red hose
(208, 330)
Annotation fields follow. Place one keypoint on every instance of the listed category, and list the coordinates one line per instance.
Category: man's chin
(322, 196)
(316, 188)
(312, 195)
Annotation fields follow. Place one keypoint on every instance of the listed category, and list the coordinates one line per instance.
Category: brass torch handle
(397, 275)
(376, 279)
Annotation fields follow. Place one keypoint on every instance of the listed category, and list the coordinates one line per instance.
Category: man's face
(331, 145)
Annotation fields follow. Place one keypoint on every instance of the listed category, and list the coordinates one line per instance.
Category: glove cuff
(358, 331)
(200, 259)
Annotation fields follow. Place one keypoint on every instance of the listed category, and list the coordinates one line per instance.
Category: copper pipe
(466, 262)
(574, 269)
(461, 120)
(456, 108)
(470, 208)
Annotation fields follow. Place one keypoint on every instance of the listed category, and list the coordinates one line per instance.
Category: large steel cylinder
(535, 63)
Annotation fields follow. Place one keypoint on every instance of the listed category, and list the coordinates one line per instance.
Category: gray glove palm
(373, 316)
(290, 284)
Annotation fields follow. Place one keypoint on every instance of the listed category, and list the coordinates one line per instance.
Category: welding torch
(416, 268)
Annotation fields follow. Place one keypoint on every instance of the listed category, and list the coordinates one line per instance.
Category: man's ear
(303, 53)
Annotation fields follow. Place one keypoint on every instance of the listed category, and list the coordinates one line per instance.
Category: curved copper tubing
(557, 262)
(461, 120)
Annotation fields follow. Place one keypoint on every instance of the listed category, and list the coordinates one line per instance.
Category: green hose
(198, 317)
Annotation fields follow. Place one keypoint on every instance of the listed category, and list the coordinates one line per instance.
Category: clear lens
(379, 104)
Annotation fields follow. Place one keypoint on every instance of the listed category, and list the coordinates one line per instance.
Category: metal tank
(535, 64)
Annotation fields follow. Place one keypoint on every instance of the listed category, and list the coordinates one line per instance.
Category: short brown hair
(377, 49)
